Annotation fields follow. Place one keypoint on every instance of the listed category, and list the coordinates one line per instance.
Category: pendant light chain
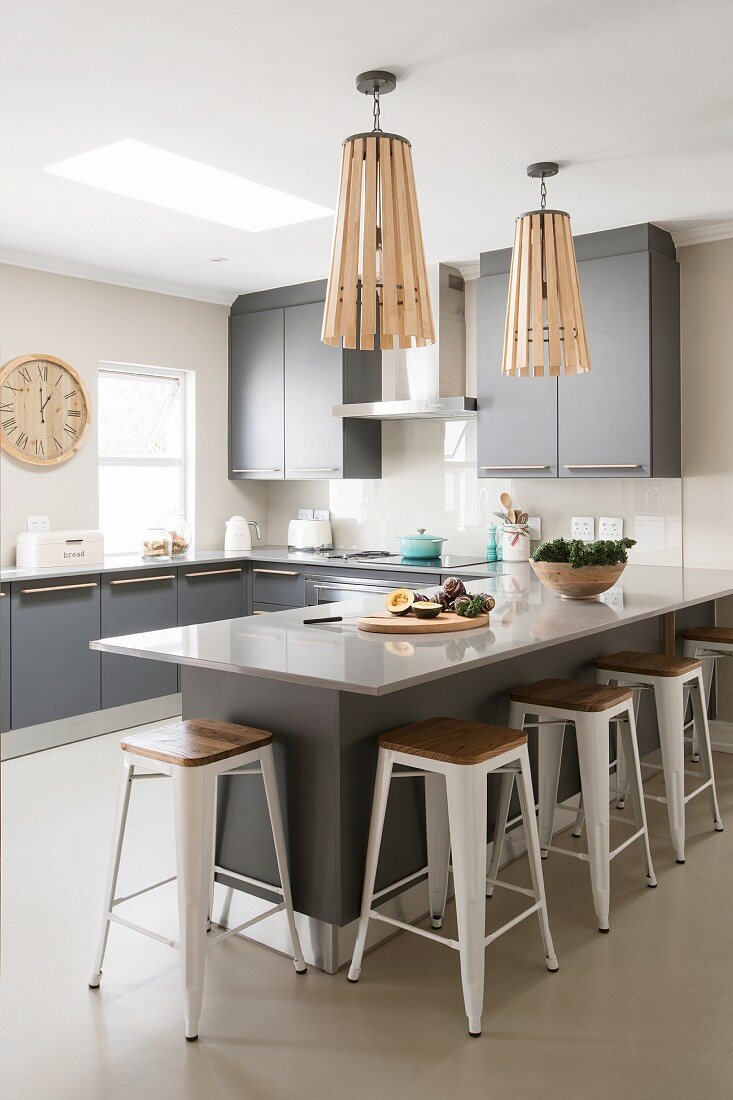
(377, 128)
(543, 194)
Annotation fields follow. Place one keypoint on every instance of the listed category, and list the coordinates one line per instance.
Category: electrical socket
(38, 523)
(535, 528)
(610, 527)
(583, 528)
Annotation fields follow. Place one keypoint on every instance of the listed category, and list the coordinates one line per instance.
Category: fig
(400, 601)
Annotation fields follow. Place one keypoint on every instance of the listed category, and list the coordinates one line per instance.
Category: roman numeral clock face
(44, 409)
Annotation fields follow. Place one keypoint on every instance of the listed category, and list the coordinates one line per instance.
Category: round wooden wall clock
(44, 409)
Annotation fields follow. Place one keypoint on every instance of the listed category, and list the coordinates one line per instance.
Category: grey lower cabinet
(211, 592)
(256, 396)
(622, 418)
(5, 658)
(54, 673)
(130, 604)
(517, 417)
(277, 584)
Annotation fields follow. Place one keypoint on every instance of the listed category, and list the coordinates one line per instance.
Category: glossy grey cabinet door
(209, 593)
(5, 658)
(517, 417)
(130, 604)
(604, 416)
(313, 383)
(54, 673)
(256, 396)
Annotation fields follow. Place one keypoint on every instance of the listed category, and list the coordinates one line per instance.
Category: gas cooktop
(444, 562)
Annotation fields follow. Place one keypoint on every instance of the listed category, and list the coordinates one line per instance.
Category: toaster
(310, 534)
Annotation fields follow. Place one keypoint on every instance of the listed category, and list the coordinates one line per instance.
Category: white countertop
(120, 563)
(527, 617)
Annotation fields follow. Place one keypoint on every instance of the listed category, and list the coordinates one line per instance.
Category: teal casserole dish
(421, 546)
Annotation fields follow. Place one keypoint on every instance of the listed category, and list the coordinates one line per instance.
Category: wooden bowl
(577, 584)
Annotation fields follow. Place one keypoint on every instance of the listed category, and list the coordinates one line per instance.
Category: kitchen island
(327, 691)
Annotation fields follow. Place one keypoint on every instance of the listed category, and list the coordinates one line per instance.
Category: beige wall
(84, 323)
(707, 418)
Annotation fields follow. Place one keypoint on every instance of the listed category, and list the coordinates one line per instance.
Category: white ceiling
(636, 99)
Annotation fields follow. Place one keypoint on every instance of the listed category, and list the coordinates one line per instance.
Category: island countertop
(527, 618)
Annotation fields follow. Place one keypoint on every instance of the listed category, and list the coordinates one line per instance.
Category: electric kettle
(238, 536)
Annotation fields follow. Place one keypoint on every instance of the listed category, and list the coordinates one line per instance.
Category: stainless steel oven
(321, 589)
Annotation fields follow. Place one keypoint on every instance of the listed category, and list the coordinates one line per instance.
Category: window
(142, 451)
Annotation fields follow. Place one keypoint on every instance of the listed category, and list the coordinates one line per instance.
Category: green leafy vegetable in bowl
(578, 554)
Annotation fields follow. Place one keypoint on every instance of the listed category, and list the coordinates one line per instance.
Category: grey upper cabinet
(622, 418)
(211, 592)
(54, 673)
(283, 382)
(256, 396)
(605, 417)
(5, 658)
(132, 603)
(313, 438)
(517, 417)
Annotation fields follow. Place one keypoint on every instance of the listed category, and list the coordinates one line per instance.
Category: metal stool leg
(702, 730)
(123, 801)
(627, 734)
(505, 797)
(669, 695)
(549, 756)
(526, 800)
(467, 815)
(592, 738)
(193, 801)
(438, 838)
(379, 809)
(267, 762)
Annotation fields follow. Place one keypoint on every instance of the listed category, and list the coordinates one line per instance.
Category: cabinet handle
(259, 470)
(262, 613)
(144, 580)
(57, 588)
(1, 594)
(313, 469)
(603, 466)
(517, 466)
(212, 572)
(279, 572)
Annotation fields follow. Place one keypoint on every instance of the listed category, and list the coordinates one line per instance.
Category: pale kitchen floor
(646, 1011)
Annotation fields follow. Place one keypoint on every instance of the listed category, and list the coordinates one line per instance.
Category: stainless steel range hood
(426, 383)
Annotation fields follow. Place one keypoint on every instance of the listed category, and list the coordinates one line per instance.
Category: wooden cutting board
(410, 624)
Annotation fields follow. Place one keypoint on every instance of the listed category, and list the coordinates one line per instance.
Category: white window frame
(185, 503)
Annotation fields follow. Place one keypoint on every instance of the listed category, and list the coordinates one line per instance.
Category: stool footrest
(246, 924)
(144, 931)
(401, 882)
(145, 890)
(510, 886)
(625, 843)
(511, 923)
(248, 880)
(374, 915)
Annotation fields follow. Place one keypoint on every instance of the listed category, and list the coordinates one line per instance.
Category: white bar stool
(590, 708)
(455, 757)
(669, 676)
(707, 644)
(194, 754)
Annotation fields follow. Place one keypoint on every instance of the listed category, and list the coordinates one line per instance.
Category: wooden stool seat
(647, 664)
(722, 635)
(452, 740)
(193, 744)
(572, 695)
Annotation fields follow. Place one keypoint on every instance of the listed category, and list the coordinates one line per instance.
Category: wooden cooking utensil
(506, 501)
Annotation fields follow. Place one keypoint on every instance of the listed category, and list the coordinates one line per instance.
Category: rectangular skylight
(141, 171)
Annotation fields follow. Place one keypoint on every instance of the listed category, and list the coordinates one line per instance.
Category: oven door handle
(378, 589)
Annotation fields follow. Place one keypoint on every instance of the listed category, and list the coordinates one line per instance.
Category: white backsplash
(429, 480)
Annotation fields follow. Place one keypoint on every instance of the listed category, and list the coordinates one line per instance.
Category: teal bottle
(500, 543)
(491, 543)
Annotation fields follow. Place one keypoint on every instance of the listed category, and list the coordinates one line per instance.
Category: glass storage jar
(157, 543)
(180, 533)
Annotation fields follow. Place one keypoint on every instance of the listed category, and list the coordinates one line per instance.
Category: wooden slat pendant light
(378, 291)
(545, 329)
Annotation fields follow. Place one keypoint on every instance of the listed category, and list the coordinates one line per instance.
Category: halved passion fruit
(426, 610)
(400, 601)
